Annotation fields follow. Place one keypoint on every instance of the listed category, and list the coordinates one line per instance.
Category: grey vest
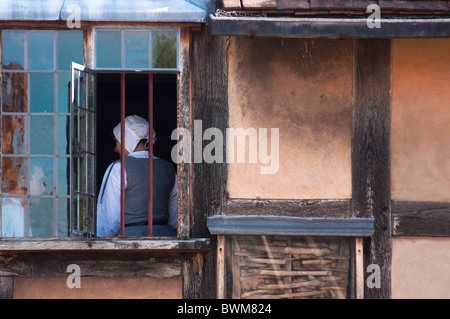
(136, 193)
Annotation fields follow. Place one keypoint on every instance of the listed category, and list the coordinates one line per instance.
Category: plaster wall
(420, 160)
(420, 148)
(98, 288)
(303, 87)
(420, 268)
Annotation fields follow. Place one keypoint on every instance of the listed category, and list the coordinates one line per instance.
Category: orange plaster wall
(420, 147)
(304, 88)
(94, 288)
(420, 160)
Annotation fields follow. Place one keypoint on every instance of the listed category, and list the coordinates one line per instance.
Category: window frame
(182, 241)
(76, 194)
(55, 71)
(122, 30)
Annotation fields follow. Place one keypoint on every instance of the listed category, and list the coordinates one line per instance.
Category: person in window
(136, 187)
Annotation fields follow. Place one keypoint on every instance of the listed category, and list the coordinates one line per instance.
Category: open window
(83, 121)
(147, 94)
(96, 107)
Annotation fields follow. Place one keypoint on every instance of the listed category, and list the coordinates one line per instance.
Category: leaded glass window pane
(14, 139)
(41, 212)
(164, 44)
(35, 148)
(42, 134)
(108, 48)
(14, 212)
(41, 50)
(41, 92)
(136, 49)
(14, 175)
(70, 48)
(41, 176)
(14, 92)
(13, 49)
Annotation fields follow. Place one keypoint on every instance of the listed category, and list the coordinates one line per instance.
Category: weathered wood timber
(6, 287)
(76, 244)
(92, 264)
(371, 152)
(297, 208)
(184, 118)
(220, 272)
(421, 218)
(209, 103)
(359, 268)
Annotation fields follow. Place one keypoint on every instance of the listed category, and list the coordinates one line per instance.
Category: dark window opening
(108, 108)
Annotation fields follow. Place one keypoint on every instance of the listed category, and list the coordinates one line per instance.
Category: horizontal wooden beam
(109, 264)
(410, 218)
(54, 244)
(290, 226)
(328, 27)
(292, 208)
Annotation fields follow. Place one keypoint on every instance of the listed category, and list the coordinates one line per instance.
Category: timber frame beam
(410, 218)
(371, 135)
(295, 207)
(328, 27)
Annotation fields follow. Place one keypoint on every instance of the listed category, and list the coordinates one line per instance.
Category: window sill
(104, 244)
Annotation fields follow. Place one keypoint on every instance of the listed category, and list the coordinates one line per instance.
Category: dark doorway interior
(136, 102)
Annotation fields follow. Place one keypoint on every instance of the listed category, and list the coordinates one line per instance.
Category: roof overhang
(329, 27)
(106, 10)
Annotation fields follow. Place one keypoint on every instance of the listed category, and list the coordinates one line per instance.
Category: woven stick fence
(276, 267)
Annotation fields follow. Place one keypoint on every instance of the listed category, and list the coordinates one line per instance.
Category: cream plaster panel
(420, 268)
(304, 88)
(98, 288)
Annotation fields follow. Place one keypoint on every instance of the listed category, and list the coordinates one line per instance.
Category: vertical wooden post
(220, 267)
(371, 135)
(122, 156)
(150, 155)
(209, 103)
(202, 61)
(359, 268)
(184, 122)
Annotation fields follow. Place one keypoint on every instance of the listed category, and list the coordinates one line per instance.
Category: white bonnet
(136, 129)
